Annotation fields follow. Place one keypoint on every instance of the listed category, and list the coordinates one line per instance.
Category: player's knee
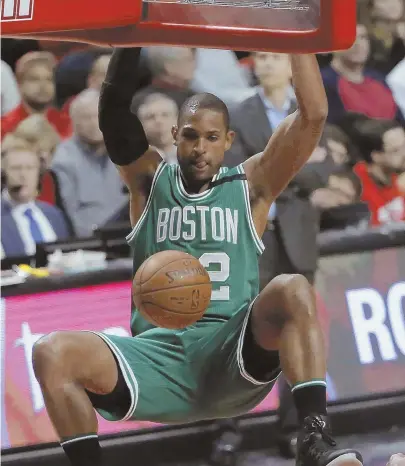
(297, 295)
(49, 355)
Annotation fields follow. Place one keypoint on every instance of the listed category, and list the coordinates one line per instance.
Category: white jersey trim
(256, 238)
(239, 356)
(198, 196)
(139, 223)
(126, 370)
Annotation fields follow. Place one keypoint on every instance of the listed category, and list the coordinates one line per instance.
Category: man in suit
(24, 220)
(293, 223)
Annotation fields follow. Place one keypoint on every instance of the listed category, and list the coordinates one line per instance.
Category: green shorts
(180, 376)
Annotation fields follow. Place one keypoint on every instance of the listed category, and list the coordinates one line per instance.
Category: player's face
(201, 141)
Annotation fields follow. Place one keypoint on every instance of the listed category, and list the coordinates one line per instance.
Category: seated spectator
(396, 81)
(230, 81)
(10, 94)
(72, 72)
(351, 87)
(387, 48)
(38, 132)
(158, 114)
(95, 76)
(34, 72)
(256, 118)
(172, 71)
(90, 186)
(383, 148)
(339, 145)
(25, 221)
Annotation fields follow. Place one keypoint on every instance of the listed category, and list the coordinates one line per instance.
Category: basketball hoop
(278, 25)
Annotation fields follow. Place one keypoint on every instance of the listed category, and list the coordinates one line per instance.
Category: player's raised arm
(295, 139)
(124, 135)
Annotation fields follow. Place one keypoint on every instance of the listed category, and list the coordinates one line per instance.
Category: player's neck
(352, 71)
(195, 187)
(276, 95)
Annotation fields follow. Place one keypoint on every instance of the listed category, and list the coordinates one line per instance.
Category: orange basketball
(171, 289)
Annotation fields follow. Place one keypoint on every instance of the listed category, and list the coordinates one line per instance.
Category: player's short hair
(204, 101)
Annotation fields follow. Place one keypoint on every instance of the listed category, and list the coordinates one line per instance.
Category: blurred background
(341, 222)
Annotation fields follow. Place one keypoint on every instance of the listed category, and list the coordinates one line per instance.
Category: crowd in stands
(57, 179)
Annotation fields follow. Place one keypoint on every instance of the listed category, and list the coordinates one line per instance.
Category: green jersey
(215, 226)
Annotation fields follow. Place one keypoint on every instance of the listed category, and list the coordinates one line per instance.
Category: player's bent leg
(284, 319)
(67, 364)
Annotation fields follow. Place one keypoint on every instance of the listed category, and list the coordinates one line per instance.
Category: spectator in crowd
(258, 116)
(351, 87)
(35, 72)
(73, 71)
(10, 94)
(383, 149)
(25, 221)
(396, 81)
(158, 114)
(387, 47)
(95, 77)
(172, 71)
(39, 133)
(90, 186)
(230, 82)
(339, 146)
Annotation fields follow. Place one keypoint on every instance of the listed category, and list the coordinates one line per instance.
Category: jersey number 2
(219, 262)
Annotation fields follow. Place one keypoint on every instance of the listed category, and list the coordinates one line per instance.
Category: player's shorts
(179, 376)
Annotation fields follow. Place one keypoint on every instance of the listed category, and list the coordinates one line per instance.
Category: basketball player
(225, 364)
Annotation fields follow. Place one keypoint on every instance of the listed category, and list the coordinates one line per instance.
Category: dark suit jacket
(298, 219)
(10, 236)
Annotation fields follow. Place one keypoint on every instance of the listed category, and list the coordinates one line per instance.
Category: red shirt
(59, 120)
(386, 203)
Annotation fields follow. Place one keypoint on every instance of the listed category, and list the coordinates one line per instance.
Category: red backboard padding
(131, 22)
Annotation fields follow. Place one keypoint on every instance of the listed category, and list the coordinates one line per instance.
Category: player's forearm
(123, 133)
(309, 88)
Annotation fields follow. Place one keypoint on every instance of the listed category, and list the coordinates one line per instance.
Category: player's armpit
(294, 141)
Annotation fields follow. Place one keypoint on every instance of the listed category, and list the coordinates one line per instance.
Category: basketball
(171, 289)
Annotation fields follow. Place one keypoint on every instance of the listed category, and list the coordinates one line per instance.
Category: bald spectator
(352, 87)
(172, 70)
(35, 78)
(158, 114)
(90, 186)
(10, 94)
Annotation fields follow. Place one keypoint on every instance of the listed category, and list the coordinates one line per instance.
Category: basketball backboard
(279, 25)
